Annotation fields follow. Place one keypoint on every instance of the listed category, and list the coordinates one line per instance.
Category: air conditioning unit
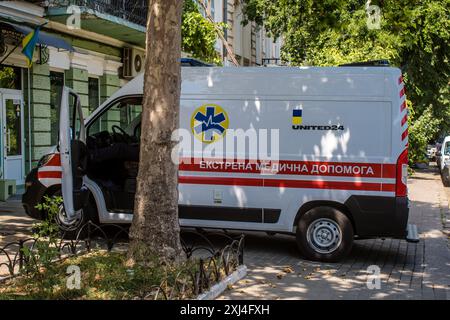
(132, 62)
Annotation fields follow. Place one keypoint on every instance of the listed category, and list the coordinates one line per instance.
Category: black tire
(77, 229)
(324, 234)
(446, 178)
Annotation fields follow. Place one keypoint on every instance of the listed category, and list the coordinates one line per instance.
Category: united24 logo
(297, 120)
(324, 127)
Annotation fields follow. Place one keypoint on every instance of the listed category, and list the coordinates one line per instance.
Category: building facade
(250, 43)
(93, 47)
(97, 32)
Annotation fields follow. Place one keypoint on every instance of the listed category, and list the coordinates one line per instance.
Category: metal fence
(218, 255)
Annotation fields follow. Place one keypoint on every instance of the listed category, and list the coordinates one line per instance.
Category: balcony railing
(134, 11)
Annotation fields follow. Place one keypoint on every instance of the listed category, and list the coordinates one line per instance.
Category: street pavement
(14, 223)
(407, 270)
(277, 271)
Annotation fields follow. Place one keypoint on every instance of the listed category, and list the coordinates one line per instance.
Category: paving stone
(408, 271)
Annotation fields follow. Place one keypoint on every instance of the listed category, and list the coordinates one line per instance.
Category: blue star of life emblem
(210, 122)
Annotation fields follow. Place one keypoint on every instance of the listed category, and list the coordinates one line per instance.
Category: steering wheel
(115, 128)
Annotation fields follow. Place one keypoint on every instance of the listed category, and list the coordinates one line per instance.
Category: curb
(217, 289)
(6, 278)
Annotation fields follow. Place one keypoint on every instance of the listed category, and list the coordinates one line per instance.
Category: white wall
(217, 14)
(94, 63)
(237, 31)
(242, 36)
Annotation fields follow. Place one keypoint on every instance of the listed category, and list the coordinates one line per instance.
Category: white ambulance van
(329, 164)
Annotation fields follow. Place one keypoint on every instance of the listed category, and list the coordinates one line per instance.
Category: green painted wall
(40, 112)
(77, 79)
(109, 84)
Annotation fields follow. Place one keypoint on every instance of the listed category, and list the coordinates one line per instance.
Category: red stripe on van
(334, 185)
(389, 171)
(308, 168)
(49, 174)
(402, 92)
(277, 183)
(404, 119)
(403, 106)
(388, 187)
(405, 134)
(400, 80)
(221, 181)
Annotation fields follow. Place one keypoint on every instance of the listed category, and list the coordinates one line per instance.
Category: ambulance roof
(267, 82)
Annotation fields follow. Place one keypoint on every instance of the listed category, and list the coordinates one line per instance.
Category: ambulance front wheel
(75, 229)
(324, 234)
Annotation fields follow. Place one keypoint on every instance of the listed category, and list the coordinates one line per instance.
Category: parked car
(431, 152)
(335, 180)
(443, 160)
(446, 175)
(443, 153)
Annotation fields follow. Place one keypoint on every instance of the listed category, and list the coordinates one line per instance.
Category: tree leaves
(198, 34)
(413, 35)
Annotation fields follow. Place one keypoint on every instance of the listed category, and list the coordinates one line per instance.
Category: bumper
(34, 192)
(379, 216)
(413, 234)
(446, 174)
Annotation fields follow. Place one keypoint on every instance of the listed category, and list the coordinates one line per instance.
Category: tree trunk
(155, 230)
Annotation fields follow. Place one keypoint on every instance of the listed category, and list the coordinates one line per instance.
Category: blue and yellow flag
(29, 43)
(297, 116)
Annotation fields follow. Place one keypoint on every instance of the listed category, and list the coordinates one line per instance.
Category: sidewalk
(14, 223)
(408, 271)
(276, 271)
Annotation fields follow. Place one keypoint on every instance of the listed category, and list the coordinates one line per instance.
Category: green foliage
(103, 276)
(7, 77)
(44, 251)
(48, 227)
(199, 34)
(421, 131)
(413, 35)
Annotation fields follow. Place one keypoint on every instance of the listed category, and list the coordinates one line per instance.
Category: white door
(73, 152)
(11, 105)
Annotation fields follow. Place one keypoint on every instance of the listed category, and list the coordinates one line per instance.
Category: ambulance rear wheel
(324, 234)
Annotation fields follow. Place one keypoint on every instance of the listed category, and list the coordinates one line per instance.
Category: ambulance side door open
(73, 152)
